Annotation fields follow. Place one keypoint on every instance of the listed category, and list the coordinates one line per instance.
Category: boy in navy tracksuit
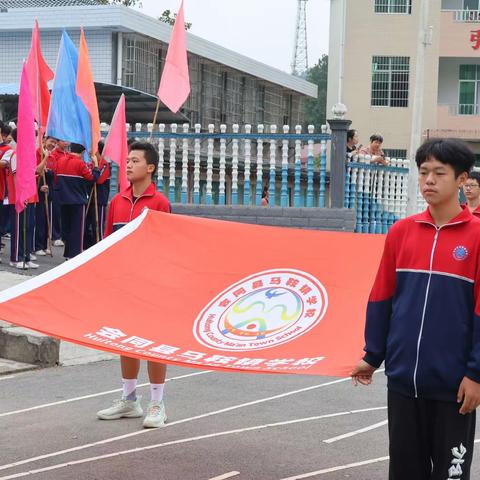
(44, 200)
(423, 320)
(142, 164)
(74, 180)
(103, 193)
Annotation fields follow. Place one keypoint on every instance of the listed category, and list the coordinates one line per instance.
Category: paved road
(261, 426)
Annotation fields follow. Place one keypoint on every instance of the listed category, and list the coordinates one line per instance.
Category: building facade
(128, 50)
(374, 48)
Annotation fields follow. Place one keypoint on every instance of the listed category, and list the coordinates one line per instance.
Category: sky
(260, 29)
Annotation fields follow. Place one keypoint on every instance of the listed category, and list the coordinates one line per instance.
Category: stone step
(8, 367)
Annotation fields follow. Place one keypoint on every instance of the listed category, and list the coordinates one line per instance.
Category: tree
(168, 18)
(315, 108)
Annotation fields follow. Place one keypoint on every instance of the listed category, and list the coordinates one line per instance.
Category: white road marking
(171, 424)
(93, 395)
(226, 475)
(356, 432)
(326, 470)
(180, 441)
(340, 467)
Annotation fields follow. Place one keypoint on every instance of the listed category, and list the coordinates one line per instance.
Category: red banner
(210, 294)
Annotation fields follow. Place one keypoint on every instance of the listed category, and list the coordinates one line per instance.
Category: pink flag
(25, 183)
(116, 147)
(175, 83)
(39, 74)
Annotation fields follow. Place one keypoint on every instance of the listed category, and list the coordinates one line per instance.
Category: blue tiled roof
(47, 3)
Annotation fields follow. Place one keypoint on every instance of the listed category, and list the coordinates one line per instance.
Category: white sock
(129, 388)
(156, 391)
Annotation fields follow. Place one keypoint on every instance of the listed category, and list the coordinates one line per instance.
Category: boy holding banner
(142, 164)
(423, 320)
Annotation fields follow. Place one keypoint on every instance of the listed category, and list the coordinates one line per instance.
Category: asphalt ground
(220, 425)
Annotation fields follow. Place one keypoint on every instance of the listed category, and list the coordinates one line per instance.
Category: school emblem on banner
(262, 311)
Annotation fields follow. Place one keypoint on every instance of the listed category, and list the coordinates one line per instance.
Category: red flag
(116, 147)
(86, 91)
(39, 74)
(25, 183)
(264, 299)
(175, 82)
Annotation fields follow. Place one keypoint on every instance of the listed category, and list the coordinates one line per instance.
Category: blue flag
(68, 118)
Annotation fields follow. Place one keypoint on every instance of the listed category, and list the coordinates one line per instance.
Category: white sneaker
(156, 416)
(39, 253)
(58, 243)
(32, 265)
(122, 408)
(48, 251)
(32, 257)
(19, 265)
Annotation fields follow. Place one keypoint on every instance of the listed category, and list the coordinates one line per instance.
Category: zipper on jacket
(425, 308)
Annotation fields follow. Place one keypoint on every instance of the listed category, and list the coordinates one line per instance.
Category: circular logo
(262, 311)
(460, 253)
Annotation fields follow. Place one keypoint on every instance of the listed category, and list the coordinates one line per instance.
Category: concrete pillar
(338, 150)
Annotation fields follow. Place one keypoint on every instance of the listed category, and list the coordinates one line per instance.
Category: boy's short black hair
(6, 130)
(101, 145)
(77, 148)
(13, 132)
(351, 134)
(150, 152)
(474, 176)
(376, 137)
(449, 151)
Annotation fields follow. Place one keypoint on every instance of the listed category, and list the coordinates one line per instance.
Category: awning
(140, 105)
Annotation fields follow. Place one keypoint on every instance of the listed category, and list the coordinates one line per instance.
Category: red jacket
(123, 208)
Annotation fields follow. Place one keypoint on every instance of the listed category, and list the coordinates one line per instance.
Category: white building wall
(15, 47)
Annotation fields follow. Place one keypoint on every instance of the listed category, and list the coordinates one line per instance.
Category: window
(393, 6)
(469, 90)
(470, 4)
(390, 78)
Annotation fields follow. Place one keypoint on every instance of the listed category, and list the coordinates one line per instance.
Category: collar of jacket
(463, 217)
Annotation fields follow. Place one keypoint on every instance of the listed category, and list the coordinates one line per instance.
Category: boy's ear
(150, 168)
(462, 178)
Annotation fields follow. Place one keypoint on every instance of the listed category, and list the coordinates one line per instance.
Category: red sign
(475, 39)
(210, 294)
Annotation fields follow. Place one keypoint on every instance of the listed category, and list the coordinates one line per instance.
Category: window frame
(392, 77)
(386, 7)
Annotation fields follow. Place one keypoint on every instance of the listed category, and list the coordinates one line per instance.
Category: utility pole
(299, 64)
(423, 41)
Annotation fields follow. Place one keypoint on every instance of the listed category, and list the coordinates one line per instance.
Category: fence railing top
(381, 168)
(318, 137)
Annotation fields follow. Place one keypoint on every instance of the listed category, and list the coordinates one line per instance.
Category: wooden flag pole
(157, 109)
(97, 234)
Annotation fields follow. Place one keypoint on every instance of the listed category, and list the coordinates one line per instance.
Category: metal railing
(467, 16)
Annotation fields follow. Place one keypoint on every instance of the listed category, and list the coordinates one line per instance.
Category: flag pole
(97, 235)
(155, 118)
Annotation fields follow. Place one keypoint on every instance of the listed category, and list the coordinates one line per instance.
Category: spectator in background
(352, 143)
(374, 149)
(264, 202)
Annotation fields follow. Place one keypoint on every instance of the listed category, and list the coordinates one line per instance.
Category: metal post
(337, 161)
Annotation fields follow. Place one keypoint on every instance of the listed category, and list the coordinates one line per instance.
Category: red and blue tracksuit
(423, 320)
(74, 180)
(4, 210)
(124, 208)
(103, 193)
(53, 202)
(41, 224)
(23, 223)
